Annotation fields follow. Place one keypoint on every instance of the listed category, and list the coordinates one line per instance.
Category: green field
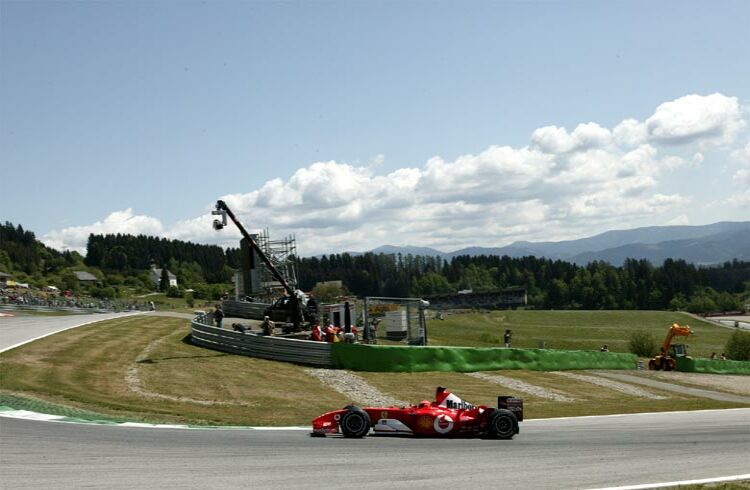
(571, 330)
(144, 368)
(164, 303)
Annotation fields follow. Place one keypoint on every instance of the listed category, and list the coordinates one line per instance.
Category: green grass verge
(33, 404)
(164, 303)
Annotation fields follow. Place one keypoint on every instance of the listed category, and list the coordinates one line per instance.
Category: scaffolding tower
(281, 253)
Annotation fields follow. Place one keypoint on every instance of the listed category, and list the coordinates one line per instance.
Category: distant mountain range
(707, 244)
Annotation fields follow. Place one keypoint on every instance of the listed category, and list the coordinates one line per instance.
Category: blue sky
(356, 124)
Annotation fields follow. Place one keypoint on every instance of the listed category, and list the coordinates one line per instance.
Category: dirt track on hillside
(728, 383)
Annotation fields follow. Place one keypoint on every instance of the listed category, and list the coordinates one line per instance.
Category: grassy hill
(571, 330)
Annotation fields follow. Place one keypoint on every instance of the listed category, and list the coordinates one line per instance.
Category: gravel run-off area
(612, 385)
(354, 387)
(730, 383)
(521, 386)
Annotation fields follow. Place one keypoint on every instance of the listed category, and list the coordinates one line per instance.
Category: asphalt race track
(586, 452)
(564, 453)
(22, 328)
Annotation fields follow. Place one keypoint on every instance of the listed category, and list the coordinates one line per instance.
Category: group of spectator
(29, 298)
(331, 333)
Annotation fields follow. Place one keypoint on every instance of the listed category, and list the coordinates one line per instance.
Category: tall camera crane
(296, 300)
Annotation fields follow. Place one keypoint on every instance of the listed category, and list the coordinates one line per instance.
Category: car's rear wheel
(355, 422)
(502, 424)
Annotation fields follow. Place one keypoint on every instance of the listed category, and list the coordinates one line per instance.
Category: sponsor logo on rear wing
(513, 404)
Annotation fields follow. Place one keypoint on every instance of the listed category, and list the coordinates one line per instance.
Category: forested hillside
(20, 251)
(128, 253)
(550, 283)
(120, 262)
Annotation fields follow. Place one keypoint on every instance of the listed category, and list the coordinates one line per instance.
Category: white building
(156, 277)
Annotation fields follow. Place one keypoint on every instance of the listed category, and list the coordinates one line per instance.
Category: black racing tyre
(502, 424)
(355, 423)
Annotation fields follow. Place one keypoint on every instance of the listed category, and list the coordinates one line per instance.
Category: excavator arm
(675, 331)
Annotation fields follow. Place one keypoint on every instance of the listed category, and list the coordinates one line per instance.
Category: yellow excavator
(666, 359)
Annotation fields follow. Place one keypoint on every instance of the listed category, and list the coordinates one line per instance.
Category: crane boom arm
(675, 331)
(222, 206)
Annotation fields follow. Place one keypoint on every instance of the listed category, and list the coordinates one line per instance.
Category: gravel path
(612, 385)
(736, 384)
(714, 395)
(354, 387)
(521, 386)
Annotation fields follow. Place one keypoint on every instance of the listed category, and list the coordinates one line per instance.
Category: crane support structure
(222, 207)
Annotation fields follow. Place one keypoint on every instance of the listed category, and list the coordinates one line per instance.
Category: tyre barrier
(243, 309)
(251, 344)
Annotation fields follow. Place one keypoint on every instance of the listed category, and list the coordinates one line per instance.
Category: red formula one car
(447, 416)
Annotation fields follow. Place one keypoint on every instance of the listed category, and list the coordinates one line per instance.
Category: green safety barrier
(359, 357)
(715, 366)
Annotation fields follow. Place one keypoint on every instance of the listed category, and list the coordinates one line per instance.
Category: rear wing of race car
(513, 404)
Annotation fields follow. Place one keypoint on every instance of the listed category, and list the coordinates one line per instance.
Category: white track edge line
(68, 328)
(40, 417)
(637, 413)
(683, 482)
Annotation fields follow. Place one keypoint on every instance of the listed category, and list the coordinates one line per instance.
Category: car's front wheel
(355, 422)
(502, 424)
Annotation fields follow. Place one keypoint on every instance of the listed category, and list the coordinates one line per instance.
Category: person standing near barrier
(507, 338)
(268, 326)
(317, 333)
(218, 315)
(330, 332)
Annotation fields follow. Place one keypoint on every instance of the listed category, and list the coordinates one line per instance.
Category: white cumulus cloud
(712, 118)
(562, 184)
(125, 222)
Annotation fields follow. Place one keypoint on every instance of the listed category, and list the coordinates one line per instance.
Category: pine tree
(164, 282)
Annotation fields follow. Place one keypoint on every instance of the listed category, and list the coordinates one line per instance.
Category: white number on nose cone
(443, 424)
